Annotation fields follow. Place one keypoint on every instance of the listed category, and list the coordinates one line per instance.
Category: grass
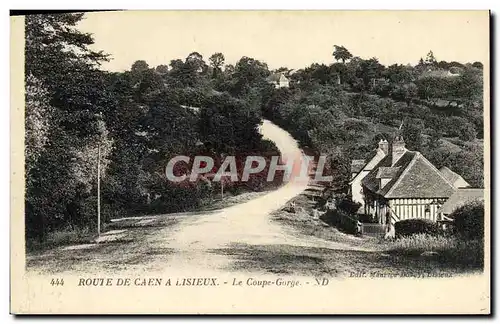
(61, 238)
(449, 249)
(303, 222)
(453, 254)
(128, 245)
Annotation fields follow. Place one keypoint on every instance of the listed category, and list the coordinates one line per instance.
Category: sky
(293, 39)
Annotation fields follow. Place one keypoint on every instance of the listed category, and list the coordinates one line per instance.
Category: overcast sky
(293, 39)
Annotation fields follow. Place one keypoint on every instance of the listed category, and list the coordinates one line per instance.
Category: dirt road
(241, 239)
(200, 242)
(196, 242)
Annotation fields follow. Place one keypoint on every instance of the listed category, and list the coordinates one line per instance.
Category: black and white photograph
(285, 154)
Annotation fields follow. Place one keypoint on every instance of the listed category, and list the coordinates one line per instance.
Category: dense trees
(138, 119)
(64, 95)
(339, 109)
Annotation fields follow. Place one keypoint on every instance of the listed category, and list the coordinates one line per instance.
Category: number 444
(57, 282)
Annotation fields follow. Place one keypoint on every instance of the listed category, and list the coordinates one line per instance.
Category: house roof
(387, 172)
(413, 176)
(357, 165)
(453, 177)
(439, 73)
(275, 77)
(461, 197)
(374, 158)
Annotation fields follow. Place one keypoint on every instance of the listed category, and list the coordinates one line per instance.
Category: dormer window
(386, 174)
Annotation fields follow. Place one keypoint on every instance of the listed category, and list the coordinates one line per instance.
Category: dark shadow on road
(313, 261)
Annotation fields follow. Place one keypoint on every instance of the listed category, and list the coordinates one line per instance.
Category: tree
(478, 65)
(162, 69)
(398, 73)
(339, 71)
(195, 60)
(434, 140)
(37, 121)
(182, 74)
(248, 73)
(469, 86)
(216, 61)
(47, 35)
(369, 70)
(341, 53)
(412, 134)
(65, 92)
(139, 66)
(430, 87)
(430, 59)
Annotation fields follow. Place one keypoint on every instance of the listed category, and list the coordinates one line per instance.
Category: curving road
(246, 223)
(195, 244)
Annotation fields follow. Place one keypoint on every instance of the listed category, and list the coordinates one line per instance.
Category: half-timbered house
(404, 185)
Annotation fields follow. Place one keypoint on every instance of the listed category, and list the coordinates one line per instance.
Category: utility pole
(222, 155)
(221, 188)
(99, 117)
(99, 189)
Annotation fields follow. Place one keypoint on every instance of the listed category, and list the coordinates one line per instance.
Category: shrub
(415, 226)
(348, 206)
(469, 220)
(367, 218)
(341, 220)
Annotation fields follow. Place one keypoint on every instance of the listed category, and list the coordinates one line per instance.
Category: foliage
(341, 53)
(415, 226)
(342, 220)
(65, 93)
(139, 119)
(469, 220)
(449, 249)
(347, 205)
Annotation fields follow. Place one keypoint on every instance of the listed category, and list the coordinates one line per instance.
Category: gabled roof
(357, 165)
(413, 176)
(460, 198)
(454, 178)
(275, 77)
(379, 155)
(387, 172)
(375, 158)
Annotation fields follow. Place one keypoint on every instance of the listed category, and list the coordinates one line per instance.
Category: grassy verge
(61, 238)
(302, 220)
(447, 249)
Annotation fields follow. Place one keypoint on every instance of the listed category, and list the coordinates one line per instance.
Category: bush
(341, 220)
(348, 206)
(415, 226)
(367, 218)
(469, 220)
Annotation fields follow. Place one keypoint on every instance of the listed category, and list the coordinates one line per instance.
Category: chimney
(384, 146)
(398, 149)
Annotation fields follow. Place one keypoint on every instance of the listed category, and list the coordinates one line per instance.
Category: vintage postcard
(250, 162)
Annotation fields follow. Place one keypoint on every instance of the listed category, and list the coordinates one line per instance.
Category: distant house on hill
(279, 80)
(398, 184)
(440, 73)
